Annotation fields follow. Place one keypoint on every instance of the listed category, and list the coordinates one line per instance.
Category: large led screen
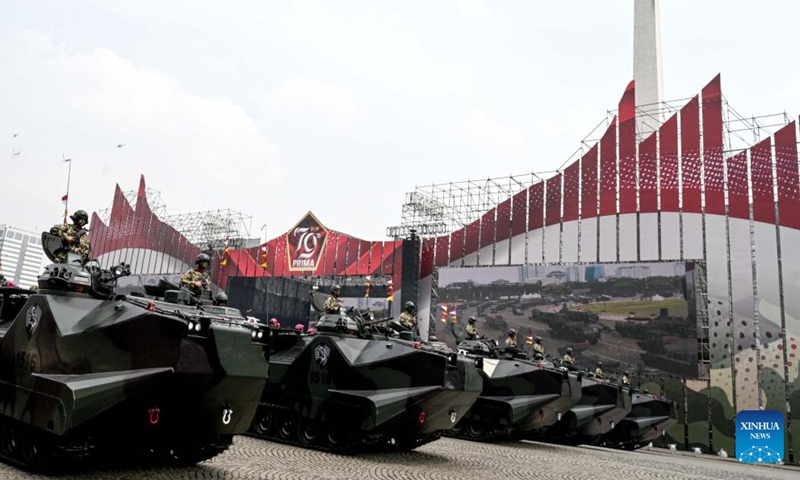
(639, 317)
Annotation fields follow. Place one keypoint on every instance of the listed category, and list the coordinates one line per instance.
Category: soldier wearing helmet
(74, 237)
(221, 300)
(408, 318)
(472, 332)
(537, 345)
(197, 279)
(332, 303)
(511, 341)
(598, 372)
(626, 379)
(568, 358)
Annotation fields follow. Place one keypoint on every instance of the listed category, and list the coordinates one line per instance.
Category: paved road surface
(449, 459)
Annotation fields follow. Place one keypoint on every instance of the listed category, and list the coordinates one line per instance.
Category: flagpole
(69, 175)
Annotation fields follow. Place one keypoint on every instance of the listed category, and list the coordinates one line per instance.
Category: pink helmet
(312, 331)
(273, 320)
(299, 327)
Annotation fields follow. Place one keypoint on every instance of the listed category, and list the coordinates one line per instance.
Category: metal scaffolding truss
(438, 209)
(207, 229)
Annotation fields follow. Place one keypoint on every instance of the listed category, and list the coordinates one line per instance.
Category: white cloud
(492, 133)
(470, 8)
(315, 96)
(198, 151)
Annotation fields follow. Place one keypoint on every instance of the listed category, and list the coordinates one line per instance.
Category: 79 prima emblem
(321, 354)
(32, 319)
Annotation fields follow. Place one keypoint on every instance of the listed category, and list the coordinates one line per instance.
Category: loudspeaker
(410, 269)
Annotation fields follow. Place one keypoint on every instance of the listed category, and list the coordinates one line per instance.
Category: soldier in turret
(598, 372)
(537, 345)
(332, 304)
(472, 332)
(568, 358)
(197, 279)
(511, 341)
(74, 237)
(626, 379)
(408, 319)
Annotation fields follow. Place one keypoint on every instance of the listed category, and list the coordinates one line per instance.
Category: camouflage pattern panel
(676, 434)
(722, 418)
(697, 407)
(510, 342)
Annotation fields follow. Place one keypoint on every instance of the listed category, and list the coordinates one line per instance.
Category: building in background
(21, 255)
(634, 271)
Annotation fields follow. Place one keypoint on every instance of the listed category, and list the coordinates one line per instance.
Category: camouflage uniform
(510, 342)
(188, 279)
(538, 348)
(408, 320)
(472, 332)
(82, 247)
(569, 359)
(332, 305)
(626, 381)
(598, 373)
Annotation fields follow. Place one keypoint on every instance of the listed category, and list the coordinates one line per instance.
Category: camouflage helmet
(626, 373)
(471, 320)
(335, 288)
(409, 306)
(569, 350)
(599, 364)
(537, 339)
(80, 217)
(512, 333)
(203, 257)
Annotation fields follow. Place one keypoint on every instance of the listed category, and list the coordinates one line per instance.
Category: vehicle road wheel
(286, 426)
(264, 421)
(476, 429)
(308, 432)
(8, 440)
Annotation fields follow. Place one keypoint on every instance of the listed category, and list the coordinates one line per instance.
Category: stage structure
(709, 186)
(208, 229)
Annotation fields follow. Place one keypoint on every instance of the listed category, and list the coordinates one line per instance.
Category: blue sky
(277, 108)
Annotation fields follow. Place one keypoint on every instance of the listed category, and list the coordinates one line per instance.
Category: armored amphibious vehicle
(361, 384)
(87, 373)
(601, 406)
(518, 396)
(649, 418)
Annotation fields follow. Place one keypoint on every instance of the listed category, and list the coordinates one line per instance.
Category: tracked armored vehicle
(602, 405)
(86, 373)
(361, 384)
(649, 418)
(519, 395)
